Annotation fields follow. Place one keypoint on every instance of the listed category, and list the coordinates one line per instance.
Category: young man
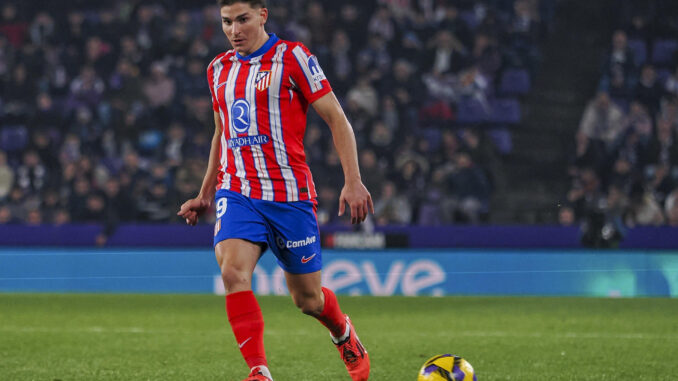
(265, 196)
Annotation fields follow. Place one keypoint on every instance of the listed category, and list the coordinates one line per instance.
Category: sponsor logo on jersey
(294, 244)
(316, 71)
(301, 243)
(240, 115)
(243, 141)
(263, 80)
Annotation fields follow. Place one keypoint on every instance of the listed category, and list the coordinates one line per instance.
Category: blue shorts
(290, 229)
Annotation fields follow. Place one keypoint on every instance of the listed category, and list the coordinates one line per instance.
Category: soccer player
(262, 186)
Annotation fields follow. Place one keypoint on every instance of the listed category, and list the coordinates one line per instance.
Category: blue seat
(471, 111)
(13, 138)
(432, 135)
(501, 137)
(514, 82)
(663, 75)
(505, 111)
(639, 50)
(469, 18)
(663, 51)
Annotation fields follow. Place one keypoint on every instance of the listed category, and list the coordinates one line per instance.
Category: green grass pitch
(186, 337)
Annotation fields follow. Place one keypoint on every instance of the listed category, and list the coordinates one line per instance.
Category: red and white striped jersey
(262, 100)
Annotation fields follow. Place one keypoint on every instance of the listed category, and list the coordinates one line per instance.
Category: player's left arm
(354, 192)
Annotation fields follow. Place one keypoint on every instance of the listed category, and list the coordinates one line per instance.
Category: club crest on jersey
(316, 71)
(240, 115)
(263, 80)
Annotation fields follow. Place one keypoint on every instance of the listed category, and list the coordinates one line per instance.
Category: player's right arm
(193, 208)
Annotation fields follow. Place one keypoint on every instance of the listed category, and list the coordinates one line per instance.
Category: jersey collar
(272, 39)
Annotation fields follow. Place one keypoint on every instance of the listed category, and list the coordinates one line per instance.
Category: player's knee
(235, 280)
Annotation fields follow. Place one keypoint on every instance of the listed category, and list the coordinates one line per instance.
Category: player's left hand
(358, 199)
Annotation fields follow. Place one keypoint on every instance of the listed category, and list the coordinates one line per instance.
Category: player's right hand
(192, 209)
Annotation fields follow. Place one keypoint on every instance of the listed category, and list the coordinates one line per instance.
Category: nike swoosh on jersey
(221, 84)
(240, 345)
(306, 260)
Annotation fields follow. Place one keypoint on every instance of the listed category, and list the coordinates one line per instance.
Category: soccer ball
(446, 368)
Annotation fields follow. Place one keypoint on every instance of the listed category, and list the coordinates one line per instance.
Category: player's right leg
(237, 259)
(239, 241)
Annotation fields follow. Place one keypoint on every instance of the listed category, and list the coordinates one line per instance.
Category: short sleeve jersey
(262, 100)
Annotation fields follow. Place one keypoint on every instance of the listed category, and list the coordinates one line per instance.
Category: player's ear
(263, 12)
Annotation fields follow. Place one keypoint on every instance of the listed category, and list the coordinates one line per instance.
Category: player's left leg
(321, 303)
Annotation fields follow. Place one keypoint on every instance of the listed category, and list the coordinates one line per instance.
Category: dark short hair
(253, 3)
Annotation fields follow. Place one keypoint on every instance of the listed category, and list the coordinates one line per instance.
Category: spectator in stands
(602, 120)
(671, 84)
(32, 175)
(392, 208)
(17, 204)
(664, 147)
(119, 205)
(77, 201)
(382, 24)
(486, 54)
(624, 174)
(18, 89)
(585, 195)
(372, 173)
(12, 26)
(445, 54)
(671, 208)
(451, 21)
(620, 59)
(566, 216)
(365, 97)
(649, 90)
(471, 189)
(659, 181)
(6, 215)
(86, 89)
(34, 217)
(6, 177)
(644, 208)
(51, 202)
(159, 89)
(588, 153)
(407, 90)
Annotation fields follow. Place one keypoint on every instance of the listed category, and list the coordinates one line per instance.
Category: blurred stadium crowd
(105, 112)
(624, 168)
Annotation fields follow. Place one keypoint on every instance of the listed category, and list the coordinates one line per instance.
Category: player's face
(244, 26)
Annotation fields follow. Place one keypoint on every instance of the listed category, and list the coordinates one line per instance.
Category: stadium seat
(663, 51)
(622, 103)
(432, 135)
(514, 82)
(471, 111)
(639, 49)
(663, 75)
(505, 111)
(501, 137)
(13, 138)
(469, 18)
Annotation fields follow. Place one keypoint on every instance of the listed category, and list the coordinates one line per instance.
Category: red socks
(332, 317)
(247, 323)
